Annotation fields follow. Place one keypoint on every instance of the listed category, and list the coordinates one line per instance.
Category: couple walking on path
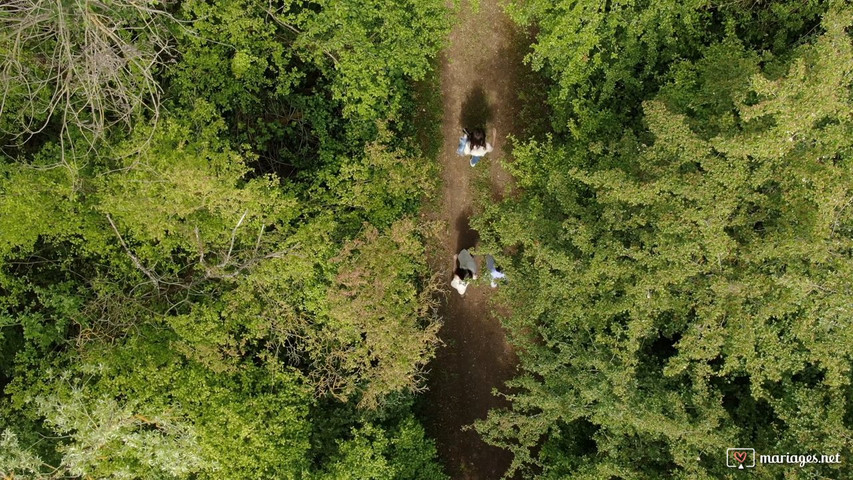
(475, 144)
(465, 268)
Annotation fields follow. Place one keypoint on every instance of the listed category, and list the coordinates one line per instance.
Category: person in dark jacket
(464, 270)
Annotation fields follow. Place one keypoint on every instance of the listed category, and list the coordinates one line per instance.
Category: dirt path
(479, 83)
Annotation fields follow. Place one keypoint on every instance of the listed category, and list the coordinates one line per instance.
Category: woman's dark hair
(462, 273)
(478, 138)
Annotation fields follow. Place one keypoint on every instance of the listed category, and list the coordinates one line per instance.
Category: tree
(377, 454)
(381, 328)
(143, 411)
(605, 58)
(305, 87)
(190, 294)
(685, 287)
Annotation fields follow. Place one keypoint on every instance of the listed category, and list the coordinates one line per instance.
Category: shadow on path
(475, 112)
(466, 237)
(480, 80)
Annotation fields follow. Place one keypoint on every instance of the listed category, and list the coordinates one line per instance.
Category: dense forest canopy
(212, 263)
(685, 235)
(208, 263)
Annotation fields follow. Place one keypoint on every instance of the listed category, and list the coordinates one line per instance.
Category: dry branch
(86, 64)
(133, 257)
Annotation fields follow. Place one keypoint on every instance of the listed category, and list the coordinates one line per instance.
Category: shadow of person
(467, 237)
(476, 112)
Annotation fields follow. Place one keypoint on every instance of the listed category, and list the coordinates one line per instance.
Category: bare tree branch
(133, 257)
(75, 63)
(233, 235)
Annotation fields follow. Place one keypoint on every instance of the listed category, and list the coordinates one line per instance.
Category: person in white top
(464, 267)
(474, 144)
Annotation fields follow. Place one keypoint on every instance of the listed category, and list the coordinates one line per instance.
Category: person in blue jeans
(474, 144)
(494, 273)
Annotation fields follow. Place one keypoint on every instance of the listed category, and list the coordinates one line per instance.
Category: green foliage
(173, 418)
(603, 55)
(187, 297)
(304, 85)
(35, 203)
(103, 429)
(606, 57)
(686, 285)
(231, 55)
(381, 328)
(379, 185)
(15, 459)
(373, 453)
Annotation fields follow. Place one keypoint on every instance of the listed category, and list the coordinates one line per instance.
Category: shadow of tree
(476, 112)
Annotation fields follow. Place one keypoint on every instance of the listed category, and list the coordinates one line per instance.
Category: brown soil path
(479, 83)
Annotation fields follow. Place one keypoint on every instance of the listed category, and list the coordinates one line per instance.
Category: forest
(217, 258)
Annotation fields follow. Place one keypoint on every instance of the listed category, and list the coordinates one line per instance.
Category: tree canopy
(207, 239)
(212, 263)
(687, 251)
